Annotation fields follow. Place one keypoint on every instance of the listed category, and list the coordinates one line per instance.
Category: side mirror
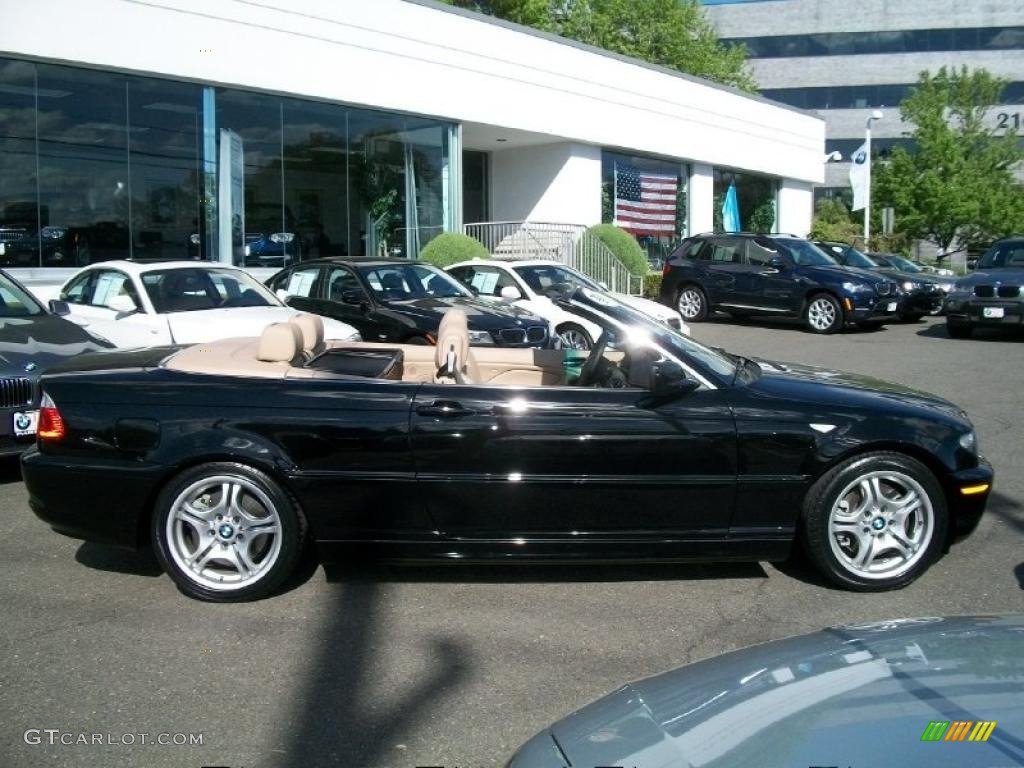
(351, 297)
(669, 380)
(511, 293)
(777, 262)
(59, 307)
(123, 304)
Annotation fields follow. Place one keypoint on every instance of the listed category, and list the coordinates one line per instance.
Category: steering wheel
(594, 358)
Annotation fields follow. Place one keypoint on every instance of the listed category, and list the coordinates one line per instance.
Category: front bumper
(859, 309)
(967, 492)
(976, 311)
(921, 302)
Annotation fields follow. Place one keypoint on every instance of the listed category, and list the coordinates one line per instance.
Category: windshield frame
(243, 277)
(30, 302)
(903, 264)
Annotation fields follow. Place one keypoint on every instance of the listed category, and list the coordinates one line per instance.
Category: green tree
(956, 186)
(673, 33)
(834, 222)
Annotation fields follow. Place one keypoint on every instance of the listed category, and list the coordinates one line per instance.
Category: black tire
(957, 330)
(835, 556)
(696, 303)
(823, 314)
(279, 558)
(911, 317)
(585, 342)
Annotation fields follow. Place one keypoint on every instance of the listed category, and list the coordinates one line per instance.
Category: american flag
(645, 201)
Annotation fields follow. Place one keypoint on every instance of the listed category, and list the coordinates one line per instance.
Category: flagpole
(876, 115)
(615, 190)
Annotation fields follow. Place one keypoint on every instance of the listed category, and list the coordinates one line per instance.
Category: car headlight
(354, 336)
(945, 287)
(856, 287)
(282, 237)
(480, 338)
(969, 441)
(908, 285)
(53, 233)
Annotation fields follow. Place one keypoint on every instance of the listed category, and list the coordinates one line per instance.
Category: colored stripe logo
(958, 730)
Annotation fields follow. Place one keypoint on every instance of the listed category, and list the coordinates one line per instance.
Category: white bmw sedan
(524, 283)
(134, 304)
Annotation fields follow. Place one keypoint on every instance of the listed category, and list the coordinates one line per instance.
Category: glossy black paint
(402, 321)
(764, 277)
(996, 287)
(461, 472)
(29, 344)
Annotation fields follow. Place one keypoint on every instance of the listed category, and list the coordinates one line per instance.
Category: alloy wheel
(691, 302)
(821, 314)
(881, 525)
(573, 338)
(224, 532)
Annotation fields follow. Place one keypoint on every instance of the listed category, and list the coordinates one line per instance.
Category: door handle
(769, 272)
(445, 409)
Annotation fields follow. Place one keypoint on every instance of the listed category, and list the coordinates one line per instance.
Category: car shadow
(786, 324)
(938, 331)
(1019, 573)
(340, 720)
(538, 573)
(115, 560)
(10, 470)
(1009, 510)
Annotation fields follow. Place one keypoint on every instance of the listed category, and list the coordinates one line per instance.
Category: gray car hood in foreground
(860, 696)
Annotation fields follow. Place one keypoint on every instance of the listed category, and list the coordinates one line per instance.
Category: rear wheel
(226, 532)
(957, 330)
(574, 336)
(823, 314)
(875, 522)
(692, 303)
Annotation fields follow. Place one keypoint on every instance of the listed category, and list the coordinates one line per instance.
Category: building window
(647, 197)
(863, 96)
(151, 168)
(756, 198)
(475, 187)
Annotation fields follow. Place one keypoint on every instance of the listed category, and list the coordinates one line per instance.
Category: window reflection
(19, 212)
(755, 196)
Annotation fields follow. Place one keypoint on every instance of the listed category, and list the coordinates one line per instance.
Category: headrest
(312, 329)
(280, 343)
(452, 333)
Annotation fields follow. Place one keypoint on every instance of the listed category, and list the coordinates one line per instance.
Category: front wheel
(823, 314)
(692, 304)
(227, 532)
(875, 522)
(574, 336)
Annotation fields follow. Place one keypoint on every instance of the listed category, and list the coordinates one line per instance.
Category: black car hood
(28, 345)
(1010, 275)
(829, 387)
(857, 695)
(838, 273)
(481, 314)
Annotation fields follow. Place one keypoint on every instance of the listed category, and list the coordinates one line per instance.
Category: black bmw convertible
(229, 456)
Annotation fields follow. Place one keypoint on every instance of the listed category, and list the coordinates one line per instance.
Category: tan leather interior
(451, 353)
(312, 329)
(280, 343)
(487, 365)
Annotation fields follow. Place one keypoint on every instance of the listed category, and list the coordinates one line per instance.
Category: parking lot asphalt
(363, 665)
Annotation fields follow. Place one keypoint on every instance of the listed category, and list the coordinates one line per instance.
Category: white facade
(544, 108)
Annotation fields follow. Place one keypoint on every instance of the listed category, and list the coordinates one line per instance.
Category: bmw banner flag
(859, 177)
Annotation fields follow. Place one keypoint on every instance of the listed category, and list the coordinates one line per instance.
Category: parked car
(919, 295)
(135, 304)
(991, 295)
(810, 700)
(526, 284)
(31, 339)
(229, 455)
(944, 278)
(401, 300)
(753, 274)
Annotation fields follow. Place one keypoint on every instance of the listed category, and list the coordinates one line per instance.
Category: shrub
(624, 246)
(452, 247)
(652, 285)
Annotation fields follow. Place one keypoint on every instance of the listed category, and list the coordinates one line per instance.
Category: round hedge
(624, 246)
(452, 247)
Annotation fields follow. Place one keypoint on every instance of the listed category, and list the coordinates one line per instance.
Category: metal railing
(570, 244)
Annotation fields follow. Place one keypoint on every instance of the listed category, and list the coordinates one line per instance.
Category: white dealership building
(180, 129)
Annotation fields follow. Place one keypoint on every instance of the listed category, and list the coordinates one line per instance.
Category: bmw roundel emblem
(226, 531)
(860, 158)
(29, 367)
(22, 421)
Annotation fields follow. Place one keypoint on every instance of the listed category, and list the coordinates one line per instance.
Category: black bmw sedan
(403, 301)
(647, 446)
(31, 339)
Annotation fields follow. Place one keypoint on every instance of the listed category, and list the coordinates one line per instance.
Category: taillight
(665, 269)
(51, 423)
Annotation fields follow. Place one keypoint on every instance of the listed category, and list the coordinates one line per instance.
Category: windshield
(1008, 254)
(15, 301)
(902, 264)
(804, 253)
(192, 289)
(541, 277)
(405, 282)
(854, 258)
(629, 325)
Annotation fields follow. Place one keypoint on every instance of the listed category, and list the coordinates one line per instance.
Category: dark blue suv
(752, 274)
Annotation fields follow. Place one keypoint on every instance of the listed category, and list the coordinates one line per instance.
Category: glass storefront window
(755, 198)
(646, 197)
(135, 167)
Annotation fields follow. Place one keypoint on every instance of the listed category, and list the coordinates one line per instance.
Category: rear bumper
(95, 501)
